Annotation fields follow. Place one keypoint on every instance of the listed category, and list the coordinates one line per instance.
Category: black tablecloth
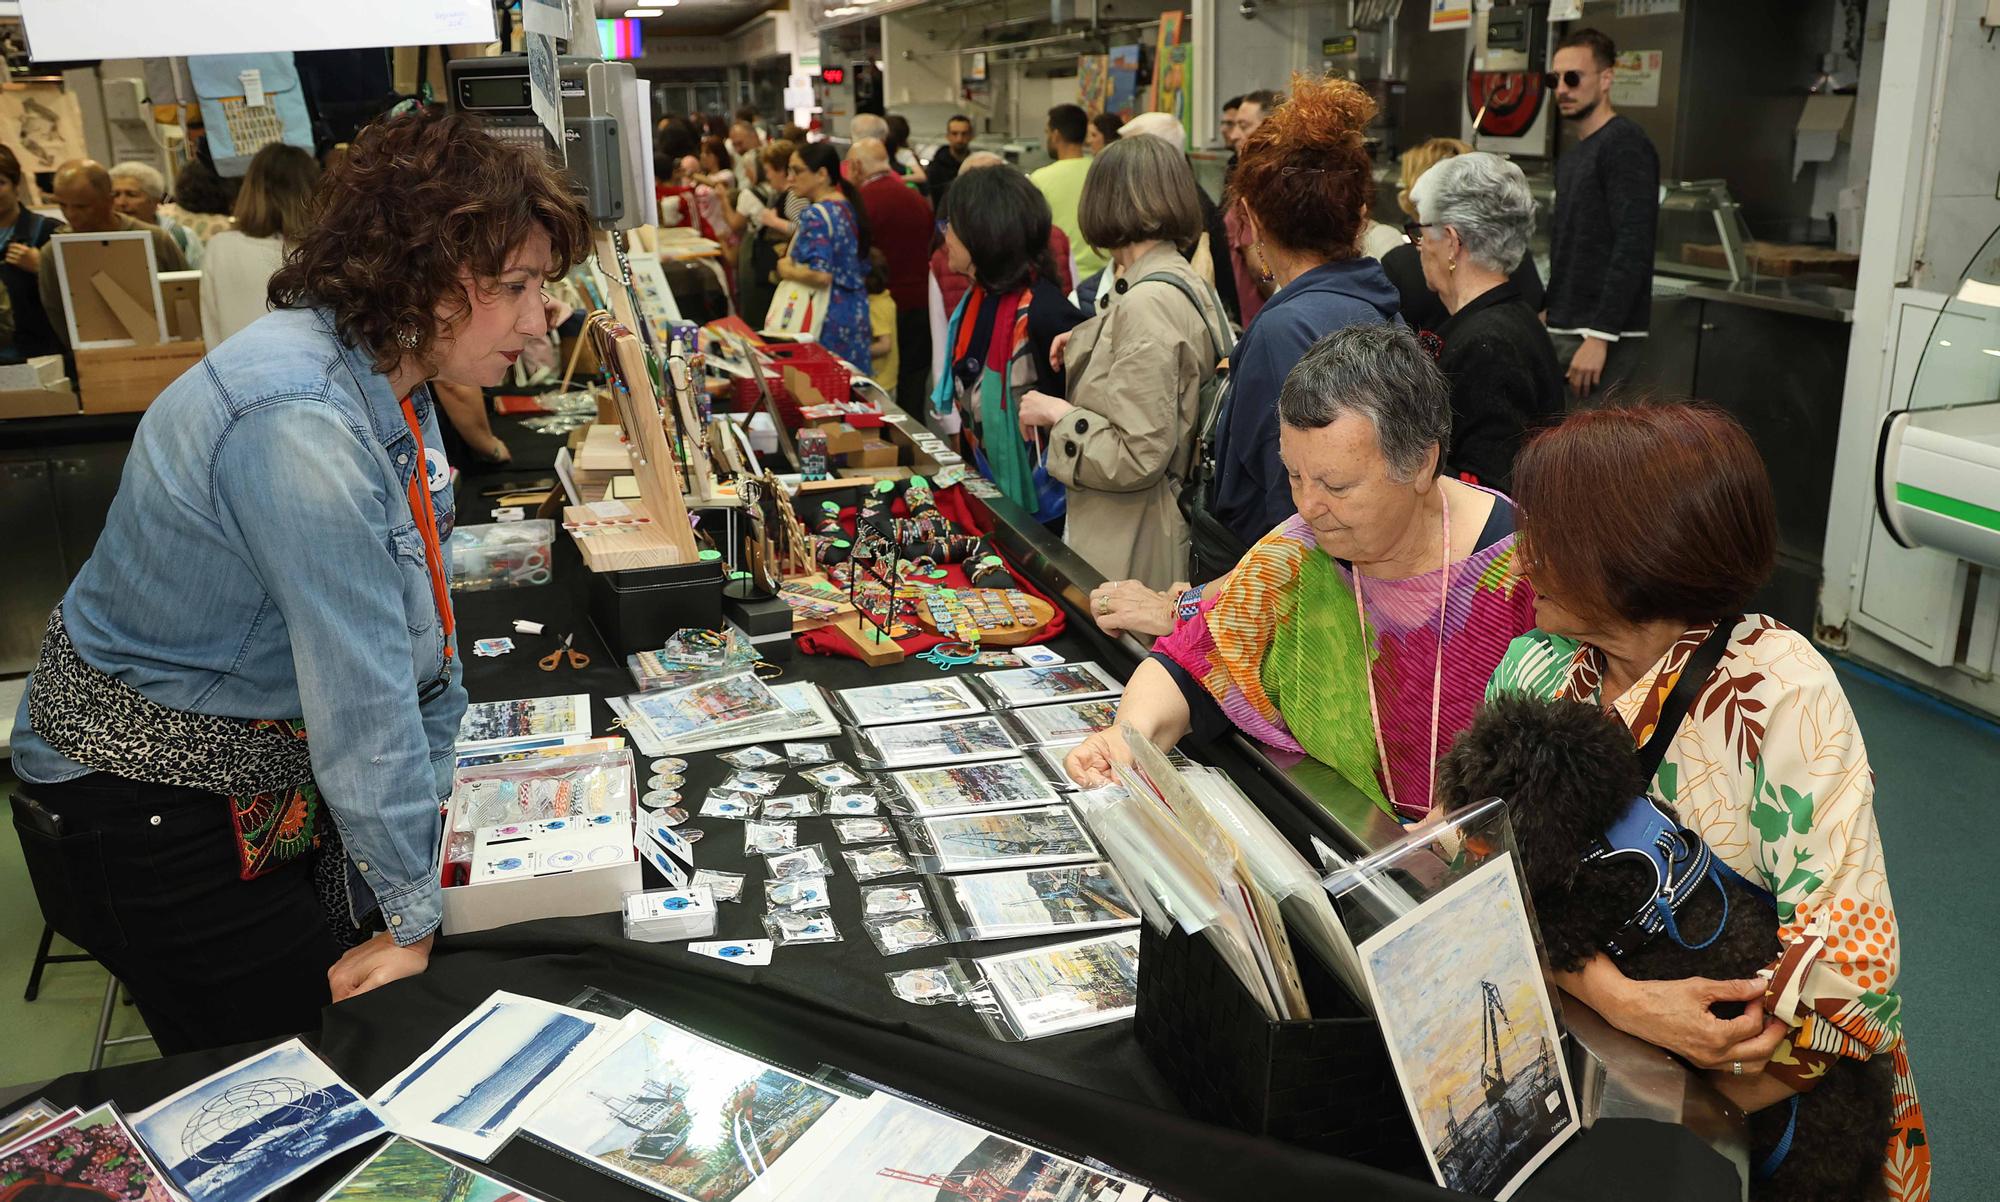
(1090, 1093)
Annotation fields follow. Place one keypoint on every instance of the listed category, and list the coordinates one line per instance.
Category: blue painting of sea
(250, 1129)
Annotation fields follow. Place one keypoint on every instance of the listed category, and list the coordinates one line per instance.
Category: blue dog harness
(1681, 862)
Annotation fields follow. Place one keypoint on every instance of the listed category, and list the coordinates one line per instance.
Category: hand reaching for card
(1095, 761)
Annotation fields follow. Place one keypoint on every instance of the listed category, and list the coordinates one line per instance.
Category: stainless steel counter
(1800, 298)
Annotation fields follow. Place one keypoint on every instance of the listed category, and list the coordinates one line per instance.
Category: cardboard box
(126, 379)
(38, 402)
(575, 894)
(873, 452)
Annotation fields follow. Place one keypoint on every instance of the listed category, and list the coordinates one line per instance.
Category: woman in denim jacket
(235, 740)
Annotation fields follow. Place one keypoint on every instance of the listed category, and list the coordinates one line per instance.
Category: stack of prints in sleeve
(668, 915)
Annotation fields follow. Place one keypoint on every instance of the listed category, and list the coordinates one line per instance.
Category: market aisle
(52, 1035)
(1934, 768)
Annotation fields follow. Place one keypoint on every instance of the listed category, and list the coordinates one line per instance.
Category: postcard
(1083, 681)
(1034, 901)
(709, 707)
(675, 1114)
(890, 1149)
(1459, 993)
(90, 1156)
(26, 1121)
(407, 1172)
(256, 1125)
(966, 787)
(807, 715)
(530, 719)
(1051, 834)
(476, 1086)
(952, 740)
(909, 701)
(1071, 722)
(1068, 986)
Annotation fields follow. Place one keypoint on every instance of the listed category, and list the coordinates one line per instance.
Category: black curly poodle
(1568, 771)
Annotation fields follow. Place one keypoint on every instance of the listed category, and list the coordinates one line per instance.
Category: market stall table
(1091, 1093)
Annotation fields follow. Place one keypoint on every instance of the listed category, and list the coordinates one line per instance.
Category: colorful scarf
(1009, 460)
(1280, 648)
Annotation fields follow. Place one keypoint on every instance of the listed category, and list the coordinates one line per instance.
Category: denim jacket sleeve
(307, 495)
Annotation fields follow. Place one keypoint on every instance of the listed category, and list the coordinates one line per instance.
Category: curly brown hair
(419, 201)
(1305, 173)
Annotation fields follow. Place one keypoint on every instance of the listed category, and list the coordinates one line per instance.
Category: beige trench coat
(1135, 375)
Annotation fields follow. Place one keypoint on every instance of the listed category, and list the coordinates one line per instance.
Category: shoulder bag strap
(1694, 674)
(1223, 343)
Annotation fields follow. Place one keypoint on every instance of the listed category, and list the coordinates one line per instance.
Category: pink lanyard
(1437, 678)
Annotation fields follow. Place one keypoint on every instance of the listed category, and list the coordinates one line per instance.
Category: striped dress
(1278, 646)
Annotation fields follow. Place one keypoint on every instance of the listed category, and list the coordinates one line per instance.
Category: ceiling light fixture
(647, 12)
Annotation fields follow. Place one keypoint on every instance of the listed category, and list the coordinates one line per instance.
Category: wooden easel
(666, 538)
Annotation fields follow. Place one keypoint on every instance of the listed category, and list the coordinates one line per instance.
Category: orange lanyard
(426, 515)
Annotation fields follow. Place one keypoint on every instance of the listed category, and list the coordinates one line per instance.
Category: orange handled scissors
(577, 659)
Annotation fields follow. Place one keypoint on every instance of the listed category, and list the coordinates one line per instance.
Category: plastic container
(501, 555)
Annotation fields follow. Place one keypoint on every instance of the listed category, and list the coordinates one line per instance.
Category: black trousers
(146, 879)
(913, 361)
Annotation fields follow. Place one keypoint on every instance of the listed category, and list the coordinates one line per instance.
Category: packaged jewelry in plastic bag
(808, 893)
(805, 754)
(877, 900)
(833, 776)
(791, 805)
(729, 805)
(798, 863)
(722, 886)
(853, 802)
(903, 933)
(755, 756)
(922, 986)
(763, 838)
(763, 784)
(863, 830)
(871, 862)
(787, 927)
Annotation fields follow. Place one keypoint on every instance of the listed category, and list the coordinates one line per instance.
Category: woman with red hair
(1646, 532)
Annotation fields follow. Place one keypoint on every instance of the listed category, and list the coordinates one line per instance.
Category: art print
(1032, 901)
(475, 1087)
(92, 1156)
(1459, 992)
(954, 739)
(44, 123)
(1083, 681)
(909, 701)
(528, 719)
(709, 707)
(406, 1172)
(678, 1115)
(256, 1125)
(1005, 839)
(1070, 722)
(1000, 785)
(894, 1150)
(1069, 986)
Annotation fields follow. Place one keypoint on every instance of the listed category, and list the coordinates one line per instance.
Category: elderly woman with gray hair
(137, 190)
(1474, 218)
(1362, 631)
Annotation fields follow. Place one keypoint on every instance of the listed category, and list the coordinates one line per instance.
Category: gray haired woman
(1474, 218)
(1363, 630)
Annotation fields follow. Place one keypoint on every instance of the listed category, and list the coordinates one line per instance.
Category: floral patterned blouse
(1769, 768)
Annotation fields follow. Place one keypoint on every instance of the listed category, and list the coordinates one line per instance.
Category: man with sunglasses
(1606, 219)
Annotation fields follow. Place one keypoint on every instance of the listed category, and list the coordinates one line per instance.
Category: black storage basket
(1325, 1084)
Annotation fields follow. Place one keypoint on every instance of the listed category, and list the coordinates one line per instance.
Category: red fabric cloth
(953, 504)
(899, 221)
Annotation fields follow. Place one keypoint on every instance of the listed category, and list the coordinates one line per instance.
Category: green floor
(1935, 771)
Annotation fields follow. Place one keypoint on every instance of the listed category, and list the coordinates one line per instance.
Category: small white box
(483, 905)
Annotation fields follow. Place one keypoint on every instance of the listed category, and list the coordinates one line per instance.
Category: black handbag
(1213, 547)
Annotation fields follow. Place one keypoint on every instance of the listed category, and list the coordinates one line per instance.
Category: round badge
(673, 816)
(437, 469)
(665, 780)
(691, 835)
(654, 799)
(671, 763)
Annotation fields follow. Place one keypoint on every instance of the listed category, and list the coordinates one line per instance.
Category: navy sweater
(1601, 241)
(1251, 492)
